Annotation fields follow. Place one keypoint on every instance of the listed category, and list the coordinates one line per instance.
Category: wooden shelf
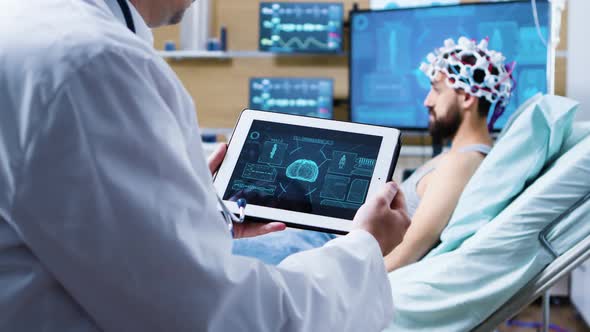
(221, 55)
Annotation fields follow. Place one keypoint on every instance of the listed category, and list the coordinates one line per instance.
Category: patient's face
(443, 109)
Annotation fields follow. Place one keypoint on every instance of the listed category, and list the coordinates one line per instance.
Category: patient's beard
(445, 128)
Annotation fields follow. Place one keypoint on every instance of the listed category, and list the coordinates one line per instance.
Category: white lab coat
(108, 217)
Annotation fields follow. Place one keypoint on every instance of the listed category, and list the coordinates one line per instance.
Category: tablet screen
(310, 170)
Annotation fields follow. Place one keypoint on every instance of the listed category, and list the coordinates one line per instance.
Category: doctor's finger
(215, 159)
(388, 193)
(399, 201)
(256, 229)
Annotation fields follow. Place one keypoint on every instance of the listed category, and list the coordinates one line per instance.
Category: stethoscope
(127, 14)
(228, 216)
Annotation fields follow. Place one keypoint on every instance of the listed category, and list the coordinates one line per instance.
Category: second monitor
(300, 96)
(294, 27)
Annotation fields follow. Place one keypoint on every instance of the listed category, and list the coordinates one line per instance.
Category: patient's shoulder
(465, 157)
(459, 164)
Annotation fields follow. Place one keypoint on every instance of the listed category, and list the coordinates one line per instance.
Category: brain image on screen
(303, 170)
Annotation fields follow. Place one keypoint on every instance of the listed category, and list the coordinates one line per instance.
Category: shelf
(179, 55)
(221, 55)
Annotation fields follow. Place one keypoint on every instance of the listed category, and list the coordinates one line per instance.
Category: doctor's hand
(215, 159)
(385, 217)
(245, 229)
(251, 229)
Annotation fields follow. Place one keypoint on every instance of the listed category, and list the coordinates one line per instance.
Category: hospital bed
(513, 258)
(540, 285)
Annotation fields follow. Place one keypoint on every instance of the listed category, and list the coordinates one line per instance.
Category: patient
(468, 81)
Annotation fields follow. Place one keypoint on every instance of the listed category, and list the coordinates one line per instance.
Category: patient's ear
(469, 102)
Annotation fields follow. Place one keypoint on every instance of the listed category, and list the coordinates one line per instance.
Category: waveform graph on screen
(289, 27)
(299, 96)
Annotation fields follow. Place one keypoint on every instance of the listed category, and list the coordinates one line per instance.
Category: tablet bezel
(383, 171)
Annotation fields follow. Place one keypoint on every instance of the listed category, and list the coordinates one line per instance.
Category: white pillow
(534, 138)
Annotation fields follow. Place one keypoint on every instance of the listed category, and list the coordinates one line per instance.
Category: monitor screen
(299, 96)
(387, 87)
(310, 170)
(390, 4)
(289, 27)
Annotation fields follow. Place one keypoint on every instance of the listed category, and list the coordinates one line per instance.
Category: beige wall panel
(563, 32)
(220, 87)
(163, 34)
(560, 76)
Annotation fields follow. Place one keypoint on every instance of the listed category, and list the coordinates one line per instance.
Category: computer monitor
(387, 47)
(301, 96)
(292, 27)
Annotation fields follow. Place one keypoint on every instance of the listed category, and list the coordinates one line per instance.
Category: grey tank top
(410, 185)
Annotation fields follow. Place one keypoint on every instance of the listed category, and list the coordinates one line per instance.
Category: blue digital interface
(310, 170)
(387, 87)
(299, 96)
(292, 27)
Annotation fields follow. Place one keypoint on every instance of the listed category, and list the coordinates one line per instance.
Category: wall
(220, 87)
(578, 69)
(578, 79)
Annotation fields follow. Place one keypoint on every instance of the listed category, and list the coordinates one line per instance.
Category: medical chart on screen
(318, 171)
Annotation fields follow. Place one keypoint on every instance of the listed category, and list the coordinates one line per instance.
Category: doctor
(108, 218)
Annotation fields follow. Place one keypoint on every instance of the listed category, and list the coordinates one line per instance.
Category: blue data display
(299, 96)
(310, 170)
(288, 27)
(387, 87)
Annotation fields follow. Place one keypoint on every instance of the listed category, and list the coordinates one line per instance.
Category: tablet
(307, 172)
